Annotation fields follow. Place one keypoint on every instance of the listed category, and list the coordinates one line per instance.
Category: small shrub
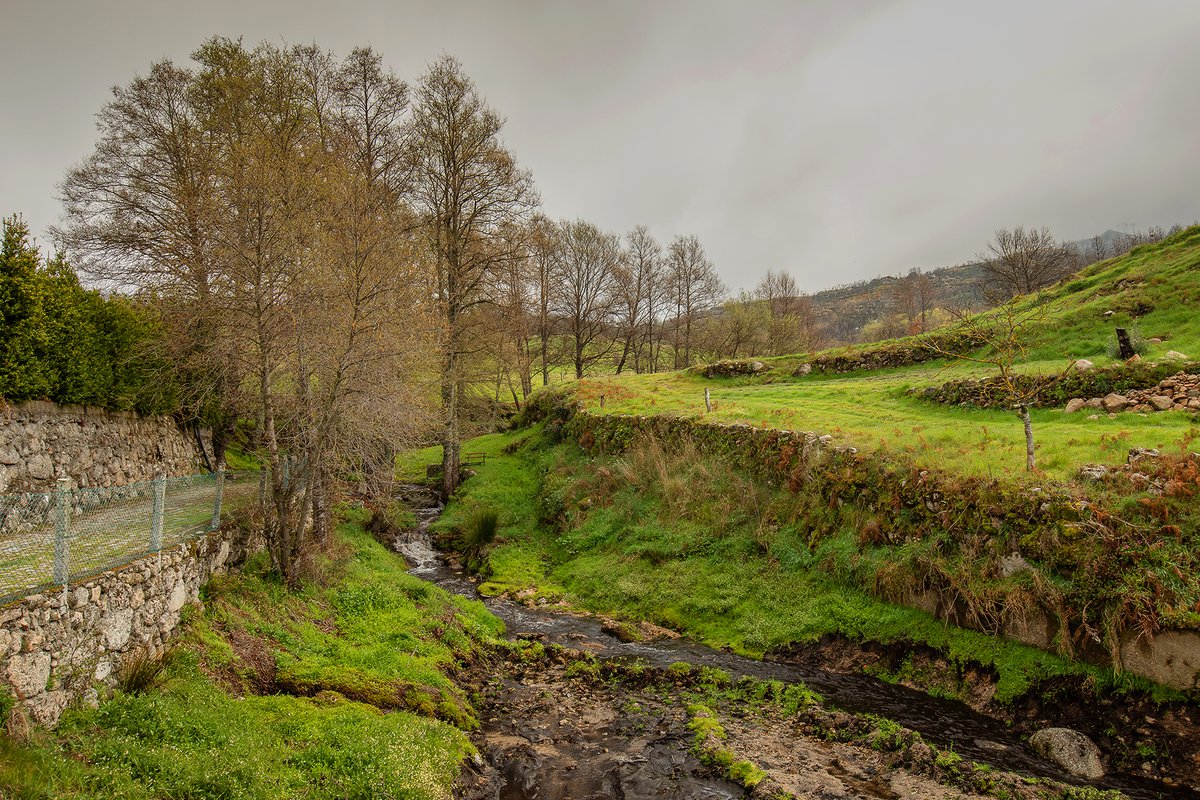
(141, 671)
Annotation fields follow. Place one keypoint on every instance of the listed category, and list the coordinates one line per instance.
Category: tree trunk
(545, 358)
(450, 443)
(1023, 410)
(624, 354)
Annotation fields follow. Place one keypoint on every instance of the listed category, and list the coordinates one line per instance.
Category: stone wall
(40, 442)
(57, 647)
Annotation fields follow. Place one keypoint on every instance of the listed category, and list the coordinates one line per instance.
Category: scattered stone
(1069, 749)
(803, 369)
(1093, 472)
(1134, 359)
(1138, 453)
(1083, 365)
(1093, 416)
(1075, 404)
(1175, 355)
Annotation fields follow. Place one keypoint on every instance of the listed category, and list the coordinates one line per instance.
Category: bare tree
(638, 286)
(139, 214)
(791, 322)
(1021, 261)
(542, 246)
(588, 260)
(696, 288)
(997, 339)
(467, 188)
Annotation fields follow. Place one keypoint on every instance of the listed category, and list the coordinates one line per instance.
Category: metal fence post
(216, 519)
(62, 526)
(156, 516)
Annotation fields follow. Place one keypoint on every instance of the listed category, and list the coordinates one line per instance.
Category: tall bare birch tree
(467, 188)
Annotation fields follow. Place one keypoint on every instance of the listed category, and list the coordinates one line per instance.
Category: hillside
(843, 311)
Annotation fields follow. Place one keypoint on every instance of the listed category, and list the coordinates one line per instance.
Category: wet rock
(1069, 749)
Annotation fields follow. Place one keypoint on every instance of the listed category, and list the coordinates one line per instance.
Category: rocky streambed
(580, 713)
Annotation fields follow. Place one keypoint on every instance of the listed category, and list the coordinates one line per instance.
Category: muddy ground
(563, 726)
(1138, 736)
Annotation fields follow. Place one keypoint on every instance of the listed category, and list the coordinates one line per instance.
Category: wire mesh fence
(56, 538)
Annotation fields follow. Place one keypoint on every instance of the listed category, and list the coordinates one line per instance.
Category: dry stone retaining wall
(63, 646)
(41, 441)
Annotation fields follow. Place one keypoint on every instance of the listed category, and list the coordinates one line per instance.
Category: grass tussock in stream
(340, 690)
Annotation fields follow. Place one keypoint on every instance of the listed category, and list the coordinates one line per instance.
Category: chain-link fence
(56, 538)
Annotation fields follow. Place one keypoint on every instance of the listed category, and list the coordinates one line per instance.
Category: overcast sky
(839, 140)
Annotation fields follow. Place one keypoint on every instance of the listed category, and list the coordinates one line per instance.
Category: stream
(946, 723)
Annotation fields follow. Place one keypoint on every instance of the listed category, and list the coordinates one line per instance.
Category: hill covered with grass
(1153, 292)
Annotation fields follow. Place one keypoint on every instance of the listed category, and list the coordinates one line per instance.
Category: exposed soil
(1136, 734)
(549, 735)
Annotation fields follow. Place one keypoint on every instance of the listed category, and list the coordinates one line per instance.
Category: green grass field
(1153, 291)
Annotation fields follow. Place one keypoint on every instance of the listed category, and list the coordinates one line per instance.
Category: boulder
(1069, 749)
(1113, 402)
(1175, 355)
(1075, 404)
(1093, 472)
(1083, 365)
(1162, 402)
(1095, 402)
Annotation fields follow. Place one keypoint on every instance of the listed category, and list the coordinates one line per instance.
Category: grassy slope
(871, 410)
(699, 548)
(374, 633)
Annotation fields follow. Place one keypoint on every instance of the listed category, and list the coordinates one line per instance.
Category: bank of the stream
(343, 689)
(709, 552)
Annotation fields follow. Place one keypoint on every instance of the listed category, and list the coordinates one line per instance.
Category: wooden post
(707, 401)
(1124, 343)
(602, 401)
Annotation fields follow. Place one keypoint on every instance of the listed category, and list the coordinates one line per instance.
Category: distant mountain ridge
(843, 311)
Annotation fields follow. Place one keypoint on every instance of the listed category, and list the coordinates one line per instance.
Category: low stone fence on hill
(68, 644)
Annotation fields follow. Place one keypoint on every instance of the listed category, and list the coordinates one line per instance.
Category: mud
(1138, 736)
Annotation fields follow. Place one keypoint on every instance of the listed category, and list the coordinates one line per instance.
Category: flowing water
(945, 723)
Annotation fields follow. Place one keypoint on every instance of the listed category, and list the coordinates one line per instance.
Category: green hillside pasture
(872, 411)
